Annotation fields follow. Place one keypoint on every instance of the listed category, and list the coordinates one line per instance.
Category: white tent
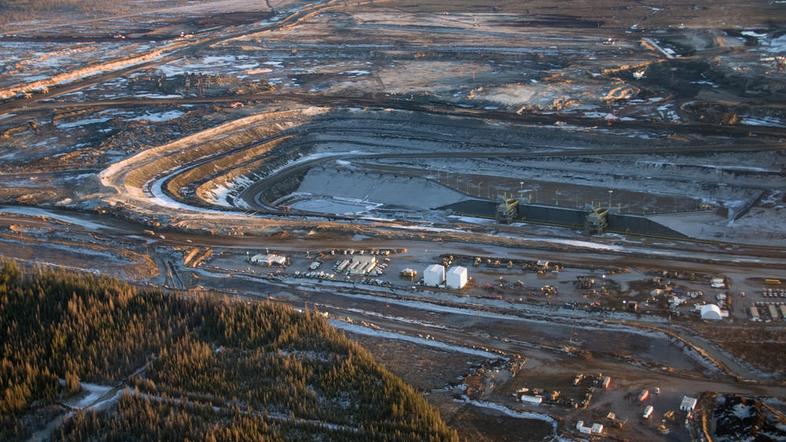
(711, 312)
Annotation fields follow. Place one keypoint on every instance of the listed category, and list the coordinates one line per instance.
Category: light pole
(611, 192)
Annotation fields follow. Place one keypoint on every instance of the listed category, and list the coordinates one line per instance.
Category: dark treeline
(142, 419)
(215, 368)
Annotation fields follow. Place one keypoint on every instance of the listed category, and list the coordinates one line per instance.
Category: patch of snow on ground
(338, 206)
(742, 411)
(762, 121)
(171, 70)
(472, 220)
(357, 329)
(777, 45)
(83, 122)
(158, 116)
(753, 34)
(94, 393)
(220, 194)
(162, 199)
(512, 413)
(33, 211)
(218, 60)
(159, 96)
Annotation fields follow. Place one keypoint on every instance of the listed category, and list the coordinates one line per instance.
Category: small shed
(711, 312)
(688, 403)
(434, 275)
(457, 277)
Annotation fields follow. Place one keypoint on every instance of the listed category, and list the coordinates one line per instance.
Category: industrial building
(362, 264)
(269, 260)
(456, 277)
(594, 429)
(532, 400)
(593, 221)
(434, 275)
(357, 265)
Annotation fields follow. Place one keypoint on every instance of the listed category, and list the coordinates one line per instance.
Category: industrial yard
(555, 221)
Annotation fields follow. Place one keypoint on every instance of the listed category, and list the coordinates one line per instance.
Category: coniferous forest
(188, 366)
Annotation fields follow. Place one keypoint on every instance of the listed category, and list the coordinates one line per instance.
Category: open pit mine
(393, 220)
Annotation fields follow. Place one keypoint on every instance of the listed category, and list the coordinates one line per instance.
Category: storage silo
(457, 277)
(434, 275)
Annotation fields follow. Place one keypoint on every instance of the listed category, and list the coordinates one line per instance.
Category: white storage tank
(457, 277)
(434, 275)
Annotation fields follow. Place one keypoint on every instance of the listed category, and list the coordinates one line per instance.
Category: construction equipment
(507, 210)
(596, 222)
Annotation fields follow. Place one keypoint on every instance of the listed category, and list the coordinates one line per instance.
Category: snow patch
(357, 329)
(158, 117)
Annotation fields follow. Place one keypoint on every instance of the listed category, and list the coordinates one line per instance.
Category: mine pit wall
(153, 162)
(284, 187)
(210, 169)
(283, 151)
(560, 216)
(253, 170)
(142, 174)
